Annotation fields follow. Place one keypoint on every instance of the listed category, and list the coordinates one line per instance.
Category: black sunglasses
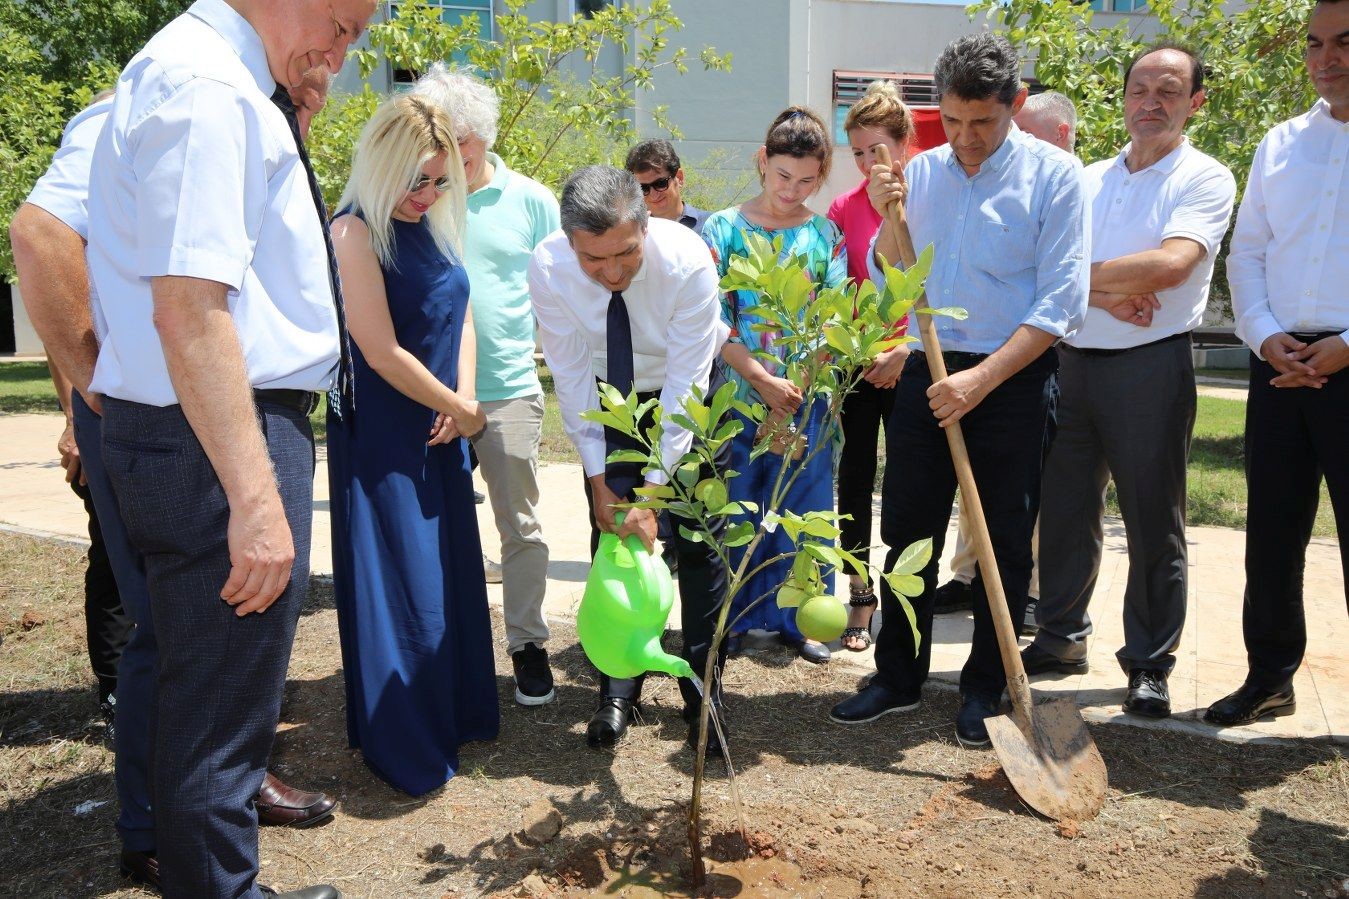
(442, 184)
(660, 186)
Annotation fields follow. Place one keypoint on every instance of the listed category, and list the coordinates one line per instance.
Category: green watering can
(627, 599)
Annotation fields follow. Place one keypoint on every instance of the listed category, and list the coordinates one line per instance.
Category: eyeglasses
(442, 184)
(660, 186)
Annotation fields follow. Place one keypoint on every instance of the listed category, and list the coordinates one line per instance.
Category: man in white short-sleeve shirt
(1289, 273)
(632, 301)
(214, 296)
(1126, 380)
(48, 235)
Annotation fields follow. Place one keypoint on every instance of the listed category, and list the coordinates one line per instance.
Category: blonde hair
(403, 134)
(881, 109)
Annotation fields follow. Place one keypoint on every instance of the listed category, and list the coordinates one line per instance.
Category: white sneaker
(491, 570)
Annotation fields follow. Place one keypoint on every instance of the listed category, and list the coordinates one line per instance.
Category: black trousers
(107, 625)
(219, 677)
(702, 584)
(1005, 435)
(1294, 437)
(865, 412)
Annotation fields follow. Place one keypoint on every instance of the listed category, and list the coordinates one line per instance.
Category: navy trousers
(1005, 435)
(136, 667)
(220, 677)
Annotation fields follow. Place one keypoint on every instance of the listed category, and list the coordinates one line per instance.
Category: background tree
(57, 54)
(559, 108)
(1255, 76)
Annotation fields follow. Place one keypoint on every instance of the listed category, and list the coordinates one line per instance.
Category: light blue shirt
(1009, 243)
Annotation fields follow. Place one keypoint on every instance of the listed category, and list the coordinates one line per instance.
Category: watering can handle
(640, 557)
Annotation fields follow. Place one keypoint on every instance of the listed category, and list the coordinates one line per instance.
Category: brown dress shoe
(141, 867)
(283, 806)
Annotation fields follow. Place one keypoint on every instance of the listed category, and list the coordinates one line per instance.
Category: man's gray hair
(1054, 106)
(599, 197)
(978, 67)
(472, 106)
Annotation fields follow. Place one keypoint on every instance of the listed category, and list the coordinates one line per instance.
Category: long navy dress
(407, 562)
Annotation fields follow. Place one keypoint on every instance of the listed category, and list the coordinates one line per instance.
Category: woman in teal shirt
(793, 164)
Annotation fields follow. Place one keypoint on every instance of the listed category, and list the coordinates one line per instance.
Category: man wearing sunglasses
(656, 166)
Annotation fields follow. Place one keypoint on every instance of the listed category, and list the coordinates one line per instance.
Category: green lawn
(1217, 482)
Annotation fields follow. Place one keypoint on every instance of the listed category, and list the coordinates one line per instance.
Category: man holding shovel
(1007, 219)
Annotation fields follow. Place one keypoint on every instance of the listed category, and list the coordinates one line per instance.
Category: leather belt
(1102, 351)
(302, 401)
(1313, 336)
(956, 360)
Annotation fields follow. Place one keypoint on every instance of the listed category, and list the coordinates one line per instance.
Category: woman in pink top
(878, 119)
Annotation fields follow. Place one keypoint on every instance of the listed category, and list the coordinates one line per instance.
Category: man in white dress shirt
(48, 234)
(1289, 274)
(1126, 380)
(215, 298)
(634, 302)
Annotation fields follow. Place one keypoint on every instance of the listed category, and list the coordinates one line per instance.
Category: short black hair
(977, 67)
(653, 156)
(1196, 62)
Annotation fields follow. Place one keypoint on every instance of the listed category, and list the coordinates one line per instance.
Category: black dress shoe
(952, 596)
(971, 732)
(141, 867)
(815, 653)
(318, 891)
(871, 702)
(1251, 703)
(1040, 661)
(610, 721)
(1148, 695)
(714, 748)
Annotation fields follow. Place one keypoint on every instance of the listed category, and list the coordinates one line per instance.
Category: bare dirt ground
(894, 809)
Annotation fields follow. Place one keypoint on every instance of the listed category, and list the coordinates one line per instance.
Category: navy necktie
(621, 477)
(343, 394)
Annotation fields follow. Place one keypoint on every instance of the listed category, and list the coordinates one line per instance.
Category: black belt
(1313, 336)
(302, 401)
(956, 360)
(1101, 351)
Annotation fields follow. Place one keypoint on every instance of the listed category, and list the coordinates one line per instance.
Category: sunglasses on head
(442, 184)
(660, 186)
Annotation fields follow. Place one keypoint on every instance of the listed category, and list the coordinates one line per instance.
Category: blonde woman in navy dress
(407, 562)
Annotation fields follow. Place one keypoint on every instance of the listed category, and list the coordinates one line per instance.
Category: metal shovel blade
(1051, 760)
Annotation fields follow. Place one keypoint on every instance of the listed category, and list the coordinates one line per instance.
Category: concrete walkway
(1211, 659)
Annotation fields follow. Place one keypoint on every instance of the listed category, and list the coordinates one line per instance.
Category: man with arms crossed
(1126, 383)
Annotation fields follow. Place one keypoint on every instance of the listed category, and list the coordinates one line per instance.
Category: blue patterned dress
(821, 243)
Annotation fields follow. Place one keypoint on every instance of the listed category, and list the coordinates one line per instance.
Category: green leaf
(905, 584)
(914, 558)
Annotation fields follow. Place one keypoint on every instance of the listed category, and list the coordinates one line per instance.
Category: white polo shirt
(1187, 194)
(197, 175)
(674, 304)
(63, 190)
(1289, 265)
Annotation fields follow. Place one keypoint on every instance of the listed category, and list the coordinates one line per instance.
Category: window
(588, 8)
(452, 12)
(914, 90)
(1120, 5)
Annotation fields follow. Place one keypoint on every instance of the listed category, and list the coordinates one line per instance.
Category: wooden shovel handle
(1018, 687)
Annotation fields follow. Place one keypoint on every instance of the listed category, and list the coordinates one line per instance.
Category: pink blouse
(859, 223)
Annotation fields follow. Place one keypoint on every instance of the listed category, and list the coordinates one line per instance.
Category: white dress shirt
(1289, 263)
(196, 174)
(63, 190)
(1187, 194)
(674, 304)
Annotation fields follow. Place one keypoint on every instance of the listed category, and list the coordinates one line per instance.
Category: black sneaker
(952, 596)
(533, 677)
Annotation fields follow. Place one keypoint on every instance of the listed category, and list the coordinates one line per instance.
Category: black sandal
(859, 597)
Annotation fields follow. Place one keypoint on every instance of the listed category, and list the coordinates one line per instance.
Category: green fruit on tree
(822, 618)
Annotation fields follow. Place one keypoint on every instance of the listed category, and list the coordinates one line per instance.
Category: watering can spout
(657, 660)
